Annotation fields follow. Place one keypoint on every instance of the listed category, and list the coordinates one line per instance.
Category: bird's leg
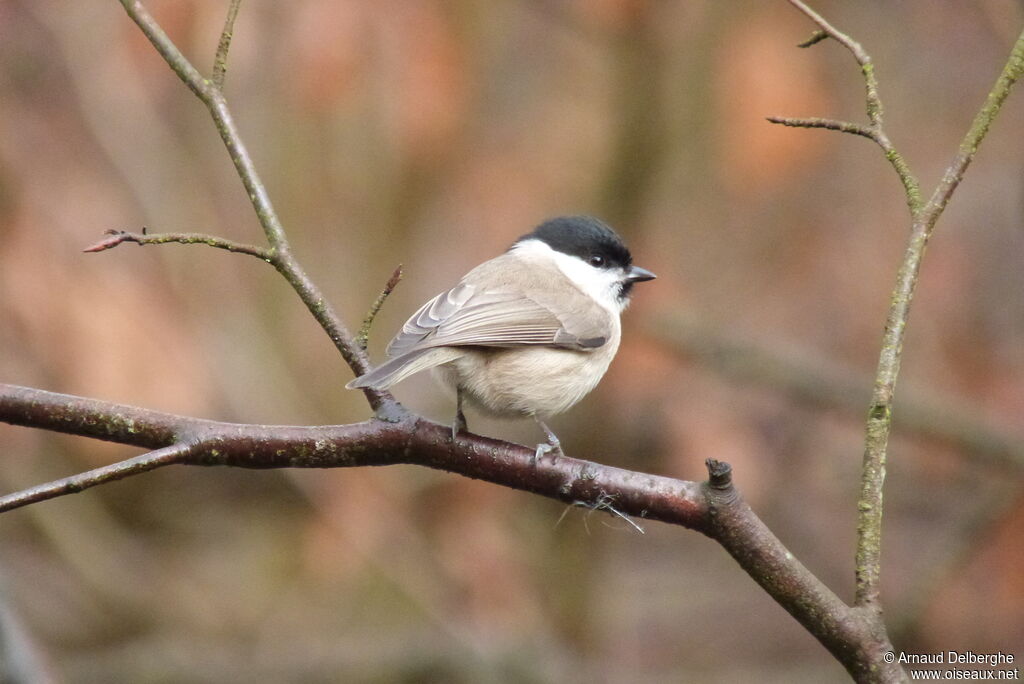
(553, 445)
(459, 424)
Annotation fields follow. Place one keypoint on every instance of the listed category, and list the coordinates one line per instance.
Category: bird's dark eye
(597, 260)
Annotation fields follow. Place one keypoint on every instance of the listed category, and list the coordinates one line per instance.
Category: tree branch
(220, 61)
(364, 329)
(874, 102)
(175, 453)
(714, 508)
(879, 423)
(855, 635)
(117, 237)
(414, 441)
(873, 105)
(880, 413)
(850, 634)
(830, 124)
(280, 255)
(815, 38)
(924, 217)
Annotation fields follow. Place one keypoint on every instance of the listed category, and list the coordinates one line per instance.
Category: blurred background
(432, 134)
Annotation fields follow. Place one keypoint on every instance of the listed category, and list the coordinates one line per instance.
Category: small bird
(528, 333)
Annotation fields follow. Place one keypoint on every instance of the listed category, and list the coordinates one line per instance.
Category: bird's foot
(552, 447)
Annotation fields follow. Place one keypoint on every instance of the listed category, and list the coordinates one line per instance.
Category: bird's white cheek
(603, 285)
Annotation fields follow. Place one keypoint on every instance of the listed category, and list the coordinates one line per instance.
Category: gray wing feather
(428, 318)
(397, 369)
(511, 312)
(508, 316)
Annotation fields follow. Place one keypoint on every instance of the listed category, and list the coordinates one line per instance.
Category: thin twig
(220, 61)
(869, 524)
(830, 124)
(117, 237)
(364, 330)
(175, 453)
(815, 38)
(873, 105)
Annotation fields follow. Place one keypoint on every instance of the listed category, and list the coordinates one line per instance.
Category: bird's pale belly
(538, 381)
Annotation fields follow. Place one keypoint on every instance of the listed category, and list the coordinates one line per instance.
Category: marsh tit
(528, 333)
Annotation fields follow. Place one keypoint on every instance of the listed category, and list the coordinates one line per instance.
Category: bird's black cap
(585, 237)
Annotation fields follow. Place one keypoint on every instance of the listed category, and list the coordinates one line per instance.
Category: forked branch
(874, 129)
(279, 253)
(714, 508)
(879, 422)
(924, 217)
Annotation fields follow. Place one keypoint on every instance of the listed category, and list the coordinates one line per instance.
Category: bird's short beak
(639, 275)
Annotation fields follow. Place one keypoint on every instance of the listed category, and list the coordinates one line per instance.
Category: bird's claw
(552, 447)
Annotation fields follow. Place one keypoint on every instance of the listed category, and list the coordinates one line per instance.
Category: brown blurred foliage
(432, 134)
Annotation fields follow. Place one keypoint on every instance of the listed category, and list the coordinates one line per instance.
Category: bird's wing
(543, 311)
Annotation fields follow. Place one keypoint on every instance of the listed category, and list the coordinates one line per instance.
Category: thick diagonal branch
(714, 508)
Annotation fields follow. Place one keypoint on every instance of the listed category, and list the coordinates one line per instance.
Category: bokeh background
(432, 134)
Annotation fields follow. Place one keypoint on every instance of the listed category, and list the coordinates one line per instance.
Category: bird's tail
(399, 368)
